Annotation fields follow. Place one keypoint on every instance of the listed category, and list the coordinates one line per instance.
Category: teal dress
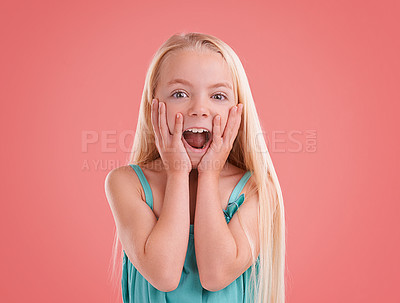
(136, 289)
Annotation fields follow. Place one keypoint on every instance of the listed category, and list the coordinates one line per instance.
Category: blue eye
(178, 92)
(220, 95)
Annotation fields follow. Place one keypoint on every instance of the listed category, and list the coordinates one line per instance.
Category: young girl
(198, 157)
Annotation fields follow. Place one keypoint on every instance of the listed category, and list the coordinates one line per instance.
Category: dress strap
(239, 187)
(235, 200)
(145, 184)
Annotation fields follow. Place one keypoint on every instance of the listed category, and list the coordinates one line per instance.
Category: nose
(199, 107)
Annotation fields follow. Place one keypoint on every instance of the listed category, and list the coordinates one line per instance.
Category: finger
(217, 129)
(237, 124)
(162, 124)
(238, 116)
(234, 125)
(229, 125)
(178, 129)
(154, 120)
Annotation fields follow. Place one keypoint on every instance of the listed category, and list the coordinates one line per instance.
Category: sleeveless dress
(136, 289)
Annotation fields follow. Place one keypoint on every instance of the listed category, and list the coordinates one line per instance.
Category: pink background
(328, 68)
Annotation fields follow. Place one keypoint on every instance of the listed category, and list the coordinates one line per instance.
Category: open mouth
(197, 140)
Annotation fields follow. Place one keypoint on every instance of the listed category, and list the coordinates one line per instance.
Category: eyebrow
(182, 81)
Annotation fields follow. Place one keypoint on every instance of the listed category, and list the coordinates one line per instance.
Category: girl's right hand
(170, 147)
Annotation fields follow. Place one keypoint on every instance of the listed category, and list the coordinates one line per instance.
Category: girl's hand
(221, 145)
(169, 146)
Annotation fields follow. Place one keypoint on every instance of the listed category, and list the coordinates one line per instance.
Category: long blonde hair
(249, 152)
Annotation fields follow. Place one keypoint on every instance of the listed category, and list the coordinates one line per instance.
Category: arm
(157, 249)
(223, 251)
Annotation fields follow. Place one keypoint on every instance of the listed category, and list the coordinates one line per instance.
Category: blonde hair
(249, 152)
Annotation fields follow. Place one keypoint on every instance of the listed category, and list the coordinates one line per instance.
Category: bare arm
(167, 244)
(157, 249)
(223, 251)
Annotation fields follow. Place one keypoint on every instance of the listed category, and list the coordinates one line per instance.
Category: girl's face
(199, 86)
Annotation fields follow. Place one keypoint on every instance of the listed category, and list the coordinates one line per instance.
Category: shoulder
(235, 174)
(232, 172)
(127, 173)
(126, 179)
(122, 179)
(119, 173)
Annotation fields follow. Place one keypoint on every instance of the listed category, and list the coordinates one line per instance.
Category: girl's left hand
(217, 154)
